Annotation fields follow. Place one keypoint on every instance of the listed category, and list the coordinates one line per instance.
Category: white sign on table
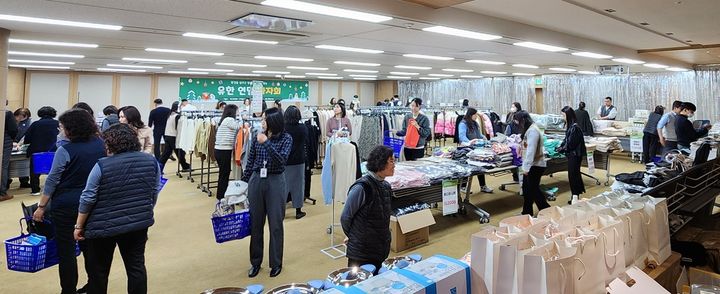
(450, 197)
(257, 94)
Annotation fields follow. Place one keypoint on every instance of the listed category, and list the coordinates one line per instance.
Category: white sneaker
(35, 194)
(573, 199)
(486, 189)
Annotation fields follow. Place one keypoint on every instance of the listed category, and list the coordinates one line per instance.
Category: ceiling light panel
(178, 72)
(485, 62)
(364, 76)
(357, 63)
(38, 66)
(283, 58)
(655, 65)
(562, 69)
(592, 55)
(243, 74)
(330, 78)
(523, 74)
(413, 67)
(40, 61)
(240, 64)
(677, 69)
(540, 46)
(441, 75)
(587, 72)
(210, 69)
(307, 68)
(628, 61)
(226, 38)
(365, 79)
(490, 72)
(428, 78)
(24, 53)
(461, 33)
(471, 77)
(152, 60)
(319, 74)
(360, 70)
(134, 66)
(326, 10)
(457, 70)
(294, 77)
(190, 52)
(431, 57)
(271, 72)
(120, 69)
(399, 77)
(52, 43)
(350, 49)
(525, 65)
(402, 73)
(59, 22)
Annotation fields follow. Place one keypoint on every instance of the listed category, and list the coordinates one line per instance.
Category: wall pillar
(4, 36)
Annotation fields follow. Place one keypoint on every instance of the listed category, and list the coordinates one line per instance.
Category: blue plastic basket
(42, 162)
(394, 143)
(30, 258)
(163, 181)
(230, 227)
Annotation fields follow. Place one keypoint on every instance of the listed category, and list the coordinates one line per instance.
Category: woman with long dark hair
(267, 190)
(70, 169)
(295, 169)
(418, 125)
(469, 133)
(170, 139)
(224, 143)
(510, 127)
(574, 148)
(583, 120)
(533, 165)
(651, 139)
(131, 115)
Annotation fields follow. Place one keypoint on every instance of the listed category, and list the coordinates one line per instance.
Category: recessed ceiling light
(152, 60)
(525, 65)
(38, 66)
(365, 79)
(363, 76)
(192, 52)
(239, 64)
(326, 10)
(178, 72)
(413, 67)
(294, 77)
(40, 61)
(120, 69)
(428, 78)
(402, 73)
(655, 65)
(485, 62)
(351, 49)
(457, 70)
(592, 55)
(461, 33)
(587, 72)
(628, 61)
(330, 78)
(210, 69)
(563, 69)
(283, 58)
(441, 75)
(44, 54)
(307, 68)
(357, 63)
(522, 74)
(490, 72)
(59, 22)
(243, 74)
(271, 72)
(431, 57)
(360, 70)
(540, 46)
(52, 43)
(399, 77)
(226, 38)
(676, 69)
(134, 66)
(320, 74)
(471, 77)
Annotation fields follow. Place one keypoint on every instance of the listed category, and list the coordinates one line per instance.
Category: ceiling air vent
(270, 22)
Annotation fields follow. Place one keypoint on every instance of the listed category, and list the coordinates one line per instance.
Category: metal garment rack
(335, 251)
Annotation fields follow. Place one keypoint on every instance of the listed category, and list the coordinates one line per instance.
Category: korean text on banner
(450, 197)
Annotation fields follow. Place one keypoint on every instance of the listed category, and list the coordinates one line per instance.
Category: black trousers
(651, 145)
(63, 220)
(224, 160)
(132, 249)
(156, 144)
(577, 186)
(169, 148)
(34, 178)
(531, 191)
(267, 198)
(360, 262)
(413, 154)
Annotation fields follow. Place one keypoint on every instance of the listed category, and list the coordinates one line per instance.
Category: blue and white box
(450, 276)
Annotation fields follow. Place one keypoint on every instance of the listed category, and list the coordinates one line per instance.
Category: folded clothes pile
(551, 146)
(486, 155)
(407, 177)
(499, 148)
(505, 159)
(615, 132)
(605, 144)
(446, 151)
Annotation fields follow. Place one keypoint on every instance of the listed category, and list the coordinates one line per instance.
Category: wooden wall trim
(73, 89)
(26, 95)
(154, 84)
(116, 90)
(320, 87)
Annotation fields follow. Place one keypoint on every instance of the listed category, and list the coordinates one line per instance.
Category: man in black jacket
(157, 121)
(684, 129)
(366, 216)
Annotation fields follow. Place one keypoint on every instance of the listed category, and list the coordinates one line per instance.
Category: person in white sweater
(533, 165)
(224, 143)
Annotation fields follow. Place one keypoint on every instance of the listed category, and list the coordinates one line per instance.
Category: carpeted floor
(182, 256)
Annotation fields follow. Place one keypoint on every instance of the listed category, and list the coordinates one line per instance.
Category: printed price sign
(591, 162)
(450, 197)
(257, 96)
(636, 137)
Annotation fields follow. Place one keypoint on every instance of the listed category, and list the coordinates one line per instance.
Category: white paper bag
(589, 270)
(658, 229)
(521, 222)
(549, 269)
(609, 231)
(634, 230)
(485, 251)
(508, 277)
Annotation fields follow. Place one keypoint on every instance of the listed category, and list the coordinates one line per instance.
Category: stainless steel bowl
(227, 290)
(295, 288)
(354, 275)
(392, 262)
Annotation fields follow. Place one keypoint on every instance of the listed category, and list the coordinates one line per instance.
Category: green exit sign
(538, 81)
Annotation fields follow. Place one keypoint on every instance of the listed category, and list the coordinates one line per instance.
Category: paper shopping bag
(635, 245)
(549, 269)
(609, 230)
(658, 229)
(521, 222)
(589, 270)
(485, 252)
(508, 277)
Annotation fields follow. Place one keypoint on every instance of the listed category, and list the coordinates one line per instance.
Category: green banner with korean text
(238, 90)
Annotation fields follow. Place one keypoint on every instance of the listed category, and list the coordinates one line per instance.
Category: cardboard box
(642, 284)
(410, 230)
(449, 275)
(394, 281)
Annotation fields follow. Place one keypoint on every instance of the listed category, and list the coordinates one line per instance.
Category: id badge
(263, 173)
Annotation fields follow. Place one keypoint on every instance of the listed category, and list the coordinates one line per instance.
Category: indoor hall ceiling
(161, 23)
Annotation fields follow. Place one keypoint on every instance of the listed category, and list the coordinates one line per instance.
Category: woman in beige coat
(131, 115)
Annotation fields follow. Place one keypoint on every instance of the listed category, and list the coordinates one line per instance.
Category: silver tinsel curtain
(496, 93)
(629, 92)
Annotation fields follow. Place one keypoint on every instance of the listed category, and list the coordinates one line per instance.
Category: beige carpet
(182, 256)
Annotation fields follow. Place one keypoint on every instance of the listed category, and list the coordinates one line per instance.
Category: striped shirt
(226, 134)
